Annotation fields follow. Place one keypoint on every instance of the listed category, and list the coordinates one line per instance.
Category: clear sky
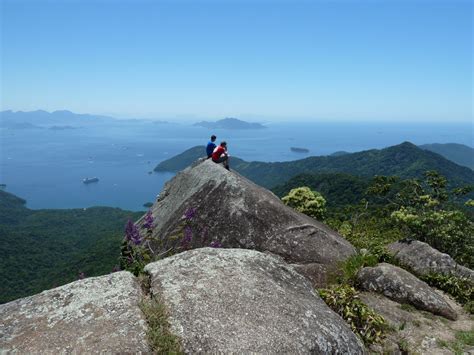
(339, 60)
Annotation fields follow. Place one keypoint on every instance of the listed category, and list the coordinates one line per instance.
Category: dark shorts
(221, 159)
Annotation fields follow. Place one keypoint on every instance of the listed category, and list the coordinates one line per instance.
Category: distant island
(299, 150)
(229, 123)
(61, 128)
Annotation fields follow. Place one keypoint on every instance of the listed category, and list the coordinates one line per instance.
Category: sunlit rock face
(94, 315)
(422, 259)
(403, 287)
(232, 211)
(243, 301)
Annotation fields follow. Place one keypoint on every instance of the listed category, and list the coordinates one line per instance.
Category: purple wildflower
(149, 220)
(132, 234)
(188, 236)
(190, 213)
(82, 276)
(215, 244)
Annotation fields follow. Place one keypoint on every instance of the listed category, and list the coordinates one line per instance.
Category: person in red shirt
(219, 155)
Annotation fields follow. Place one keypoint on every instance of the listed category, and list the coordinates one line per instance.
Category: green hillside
(45, 248)
(337, 188)
(459, 153)
(405, 160)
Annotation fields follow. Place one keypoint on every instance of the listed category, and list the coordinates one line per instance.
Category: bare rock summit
(236, 213)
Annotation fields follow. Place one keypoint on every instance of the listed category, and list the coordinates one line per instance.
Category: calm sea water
(46, 167)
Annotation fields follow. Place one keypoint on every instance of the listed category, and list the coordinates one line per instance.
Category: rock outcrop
(94, 315)
(236, 213)
(422, 259)
(242, 301)
(403, 287)
(419, 331)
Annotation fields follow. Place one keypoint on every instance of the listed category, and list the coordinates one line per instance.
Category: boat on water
(299, 150)
(90, 180)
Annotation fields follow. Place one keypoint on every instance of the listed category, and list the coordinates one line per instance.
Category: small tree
(306, 201)
(426, 210)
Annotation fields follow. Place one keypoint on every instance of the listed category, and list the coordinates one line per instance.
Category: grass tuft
(464, 340)
(160, 337)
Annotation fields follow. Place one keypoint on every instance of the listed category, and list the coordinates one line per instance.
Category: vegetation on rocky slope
(391, 209)
(344, 300)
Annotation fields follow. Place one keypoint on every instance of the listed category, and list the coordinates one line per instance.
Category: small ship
(90, 180)
(299, 150)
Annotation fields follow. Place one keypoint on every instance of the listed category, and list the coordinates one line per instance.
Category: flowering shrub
(306, 201)
(132, 234)
(137, 250)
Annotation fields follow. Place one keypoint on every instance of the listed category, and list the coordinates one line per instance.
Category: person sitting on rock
(220, 155)
(211, 146)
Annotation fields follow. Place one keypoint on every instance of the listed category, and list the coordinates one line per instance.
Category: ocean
(46, 167)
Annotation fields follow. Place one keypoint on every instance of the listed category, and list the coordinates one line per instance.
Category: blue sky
(316, 60)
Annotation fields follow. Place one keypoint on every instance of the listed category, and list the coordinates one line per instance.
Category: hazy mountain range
(459, 153)
(62, 119)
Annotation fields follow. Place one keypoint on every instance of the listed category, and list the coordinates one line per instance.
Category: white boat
(90, 180)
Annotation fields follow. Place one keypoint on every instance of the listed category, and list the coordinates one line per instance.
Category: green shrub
(344, 300)
(448, 231)
(306, 201)
(469, 307)
(351, 266)
(462, 289)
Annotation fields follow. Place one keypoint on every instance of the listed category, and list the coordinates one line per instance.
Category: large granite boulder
(227, 209)
(243, 301)
(403, 287)
(422, 259)
(94, 315)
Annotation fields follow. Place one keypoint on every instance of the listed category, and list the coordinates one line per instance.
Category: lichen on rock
(241, 301)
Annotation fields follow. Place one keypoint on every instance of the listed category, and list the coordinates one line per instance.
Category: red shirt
(216, 154)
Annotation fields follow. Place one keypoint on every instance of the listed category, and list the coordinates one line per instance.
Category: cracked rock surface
(241, 301)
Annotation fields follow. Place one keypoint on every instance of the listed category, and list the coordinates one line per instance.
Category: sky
(385, 60)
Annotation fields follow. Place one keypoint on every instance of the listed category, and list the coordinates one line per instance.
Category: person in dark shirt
(220, 155)
(211, 146)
